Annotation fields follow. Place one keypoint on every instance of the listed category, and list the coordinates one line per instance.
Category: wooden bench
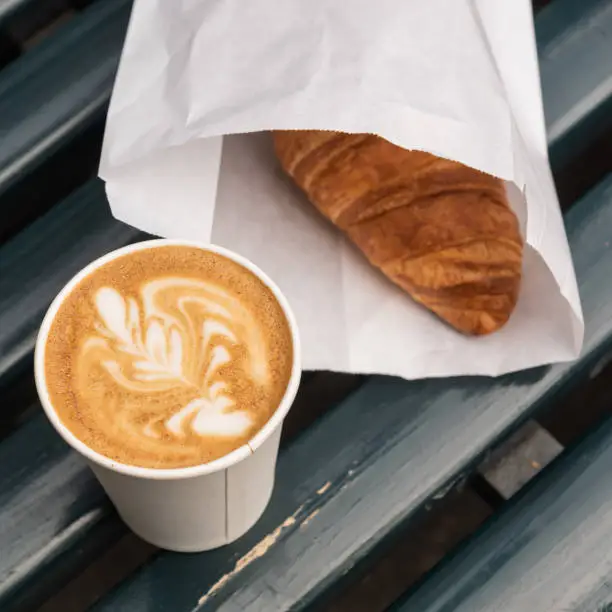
(348, 477)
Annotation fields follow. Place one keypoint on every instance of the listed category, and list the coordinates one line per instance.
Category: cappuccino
(167, 357)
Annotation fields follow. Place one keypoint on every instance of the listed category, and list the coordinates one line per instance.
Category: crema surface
(168, 357)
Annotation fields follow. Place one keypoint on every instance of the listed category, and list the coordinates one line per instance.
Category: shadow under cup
(193, 508)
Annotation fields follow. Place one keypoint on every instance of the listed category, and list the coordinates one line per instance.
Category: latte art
(188, 331)
(166, 367)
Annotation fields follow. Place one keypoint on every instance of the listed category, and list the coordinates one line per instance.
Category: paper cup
(193, 508)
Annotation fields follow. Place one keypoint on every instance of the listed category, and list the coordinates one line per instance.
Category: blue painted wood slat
(39, 473)
(53, 101)
(59, 86)
(574, 60)
(9, 7)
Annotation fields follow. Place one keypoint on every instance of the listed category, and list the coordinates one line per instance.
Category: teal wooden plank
(575, 53)
(61, 83)
(22, 18)
(50, 97)
(10, 8)
(48, 504)
(549, 551)
(369, 465)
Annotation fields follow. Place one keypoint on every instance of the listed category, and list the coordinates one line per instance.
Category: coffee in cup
(167, 357)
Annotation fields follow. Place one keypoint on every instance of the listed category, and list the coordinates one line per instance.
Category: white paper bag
(184, 156)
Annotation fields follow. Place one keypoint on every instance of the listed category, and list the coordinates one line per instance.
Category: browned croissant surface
(440, 230)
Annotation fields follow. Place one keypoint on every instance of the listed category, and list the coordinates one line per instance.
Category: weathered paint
(259, 550)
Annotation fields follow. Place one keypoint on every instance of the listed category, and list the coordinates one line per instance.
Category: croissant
(442, 231)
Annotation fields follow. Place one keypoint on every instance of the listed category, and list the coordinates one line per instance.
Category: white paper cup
(193, 508)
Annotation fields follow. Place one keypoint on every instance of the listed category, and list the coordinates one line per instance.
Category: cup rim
(180, 473)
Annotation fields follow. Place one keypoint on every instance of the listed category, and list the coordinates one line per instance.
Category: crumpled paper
(186, 155)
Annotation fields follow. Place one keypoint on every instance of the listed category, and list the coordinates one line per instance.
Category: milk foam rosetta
(179, 349)
(175, 356)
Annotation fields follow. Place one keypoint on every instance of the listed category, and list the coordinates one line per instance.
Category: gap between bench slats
(23, 20)
(550, 550)
(364, 468)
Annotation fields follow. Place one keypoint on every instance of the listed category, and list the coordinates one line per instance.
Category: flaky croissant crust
(442, 231)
